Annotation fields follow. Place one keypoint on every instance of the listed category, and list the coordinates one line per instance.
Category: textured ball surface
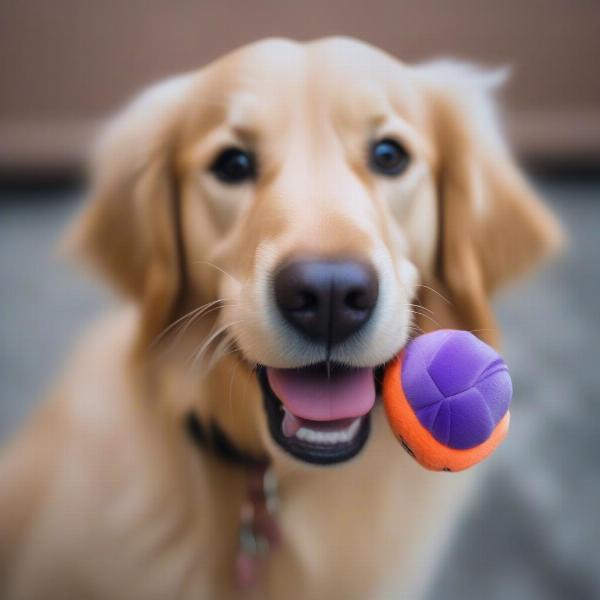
(447, 399)
(458, 386)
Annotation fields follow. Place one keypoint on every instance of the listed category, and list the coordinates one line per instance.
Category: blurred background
(533, 530)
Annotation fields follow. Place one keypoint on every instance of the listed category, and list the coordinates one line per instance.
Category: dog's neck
(258, 528)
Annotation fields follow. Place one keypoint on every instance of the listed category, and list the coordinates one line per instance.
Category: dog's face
(307, 191)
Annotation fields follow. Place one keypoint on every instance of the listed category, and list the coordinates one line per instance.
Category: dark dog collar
(214, 440)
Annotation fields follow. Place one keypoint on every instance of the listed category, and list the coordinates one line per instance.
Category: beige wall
(66, 63)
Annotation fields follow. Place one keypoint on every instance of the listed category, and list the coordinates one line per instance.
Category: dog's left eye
(388, 157)
(234, 166)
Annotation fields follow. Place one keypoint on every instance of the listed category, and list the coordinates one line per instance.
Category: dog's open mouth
(319, 414)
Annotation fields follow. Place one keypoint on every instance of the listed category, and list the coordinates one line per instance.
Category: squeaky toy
(447, 398)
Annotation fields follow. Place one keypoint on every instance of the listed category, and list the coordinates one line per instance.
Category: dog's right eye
(234, 166)
(389, 157)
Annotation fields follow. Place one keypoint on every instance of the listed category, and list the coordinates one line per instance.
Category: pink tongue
(313, 396)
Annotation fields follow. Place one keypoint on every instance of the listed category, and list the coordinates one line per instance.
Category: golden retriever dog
(279, 224)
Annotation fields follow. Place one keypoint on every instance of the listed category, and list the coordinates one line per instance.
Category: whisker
(414, 312)
(206, 262)
(427, 287)
(191, 314)
(213, 309)
(220, 352)
(420, 306)
(213, 336)
(416, 329)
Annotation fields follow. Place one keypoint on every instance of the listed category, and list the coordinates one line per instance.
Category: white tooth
(329, 437)
(308, 435)
(301, 433)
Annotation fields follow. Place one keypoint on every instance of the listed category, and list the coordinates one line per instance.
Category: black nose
(326, 300)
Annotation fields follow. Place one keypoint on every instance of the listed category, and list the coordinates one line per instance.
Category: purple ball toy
(447, 397)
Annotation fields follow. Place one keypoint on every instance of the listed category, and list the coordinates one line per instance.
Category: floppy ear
(127, 230)
(493, 228)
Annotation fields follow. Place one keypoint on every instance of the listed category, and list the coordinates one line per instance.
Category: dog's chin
(320, 414)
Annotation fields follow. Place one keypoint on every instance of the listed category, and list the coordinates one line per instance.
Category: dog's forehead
(340, 74)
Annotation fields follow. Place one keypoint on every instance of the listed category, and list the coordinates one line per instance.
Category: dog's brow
(244, 115)
(376, 119)
(369, 104)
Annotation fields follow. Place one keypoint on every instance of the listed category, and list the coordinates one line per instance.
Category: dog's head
(312, 203)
